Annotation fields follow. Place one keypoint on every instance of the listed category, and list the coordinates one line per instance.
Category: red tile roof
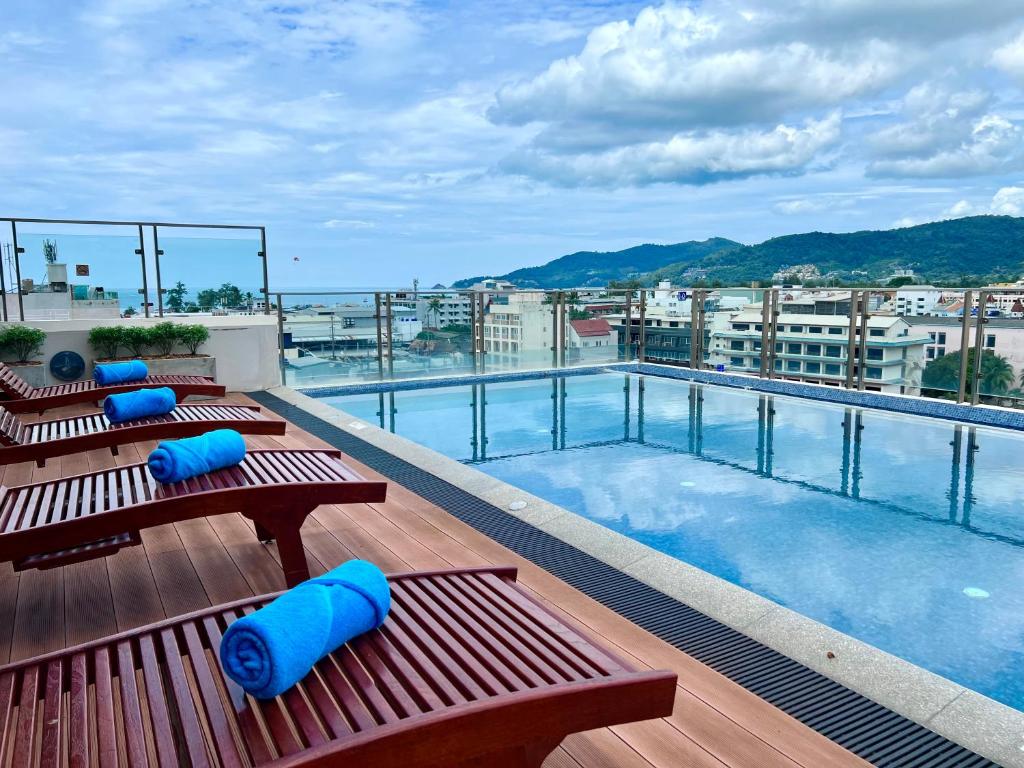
(594, 327)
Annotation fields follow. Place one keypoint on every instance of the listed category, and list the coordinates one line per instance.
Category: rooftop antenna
(50, 251)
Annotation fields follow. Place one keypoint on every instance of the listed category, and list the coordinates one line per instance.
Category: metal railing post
(17, 270)
(627, 341)
(641, 350)
(696, 337)
(380, 338)
(480, 317)
(563, 329)
(554, 328)
(851, 341)
(266, 274)
(865, 296)
(765, 333)
(280, 337)
(391, 333)
(965, 339)
(141, 252)
(774, 335)
(157, 253)
(979, 346)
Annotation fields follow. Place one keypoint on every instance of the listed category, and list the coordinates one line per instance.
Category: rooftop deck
(191, 565)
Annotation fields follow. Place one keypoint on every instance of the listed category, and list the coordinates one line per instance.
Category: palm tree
(250, 300)
(434, 308)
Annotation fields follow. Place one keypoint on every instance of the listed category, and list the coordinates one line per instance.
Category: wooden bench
(57, 522)
(467, 670)
(22, 397)
(76, 434)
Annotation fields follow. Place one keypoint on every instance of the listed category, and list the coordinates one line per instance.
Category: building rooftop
(592, 327)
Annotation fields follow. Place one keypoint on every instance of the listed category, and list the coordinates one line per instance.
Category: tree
(176, 297)
(434, 308)
(944, 373)
(250, 300)
(130, 312)
(229, 295)
(208, 298)
(899, 282)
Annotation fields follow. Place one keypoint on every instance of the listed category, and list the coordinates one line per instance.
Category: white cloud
(1007, 201)
(686, 158)
(993, 144)
(1010, 57)
(349, 224)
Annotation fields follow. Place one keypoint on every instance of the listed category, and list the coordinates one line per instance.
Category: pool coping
(955, 712)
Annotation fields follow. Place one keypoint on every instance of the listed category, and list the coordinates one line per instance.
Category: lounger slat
(410, 679)
(51, 744)
(106, 738)
(28, 708)
(7, 712)
(213, 707)
(131, 706)
(78, 712)
(156, 700)
(191, 731)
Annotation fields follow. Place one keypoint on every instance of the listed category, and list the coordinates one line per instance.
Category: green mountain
(594, 268)
(976, 249)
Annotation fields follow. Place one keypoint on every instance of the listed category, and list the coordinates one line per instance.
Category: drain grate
(869, 730)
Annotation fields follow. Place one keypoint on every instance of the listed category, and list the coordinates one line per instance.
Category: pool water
(905, 532)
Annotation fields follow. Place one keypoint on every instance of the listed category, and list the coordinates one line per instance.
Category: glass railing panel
(432, 334)
(519, 331)
(75, 275)
(222, 274)
(936, 365)
(595, 327)
(332, 339)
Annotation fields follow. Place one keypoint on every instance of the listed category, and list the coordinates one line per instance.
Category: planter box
(35, 375)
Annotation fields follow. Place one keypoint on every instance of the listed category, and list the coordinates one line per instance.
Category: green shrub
(193, 336)
(106, 340)
(23, 342)
(163, 337)
(136, 339)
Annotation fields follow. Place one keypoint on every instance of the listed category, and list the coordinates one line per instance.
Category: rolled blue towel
(119, 373)
(139, 404)
(270, 650)
(177, 460)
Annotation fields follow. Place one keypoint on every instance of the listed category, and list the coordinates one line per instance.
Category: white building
(917, 300)
(518, 330)
(813, 348)
(591, 339)
(56, 299)
(1003, 336)
(440, 310)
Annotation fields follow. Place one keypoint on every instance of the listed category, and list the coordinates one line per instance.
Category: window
(757, 345)
(778, 346)
(942, 337)
(812, 367)
(793, 349)
(990, 340)
(814, 329)
(875, 353)
(736, 344)
(835, 331)
(832, 369)
(796, 329)
(932, 336)
(793, 365)
(931, 353)
(741, 326)
(876, 332)
(757, 327)
(874, 373)
(756, 362)
(813, 349)
(736, 361)
(833, 351)
(778, 365)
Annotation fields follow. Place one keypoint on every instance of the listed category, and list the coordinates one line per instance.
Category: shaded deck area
(188, 566)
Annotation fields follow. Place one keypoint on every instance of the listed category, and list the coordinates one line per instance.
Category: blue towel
(177, 460)
(139, 404)
(270, 650)
(119, 373)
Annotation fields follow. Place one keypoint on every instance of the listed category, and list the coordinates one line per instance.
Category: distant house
(590, 339)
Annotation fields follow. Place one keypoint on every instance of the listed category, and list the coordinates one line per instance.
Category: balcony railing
(112, 268)
(345, 337)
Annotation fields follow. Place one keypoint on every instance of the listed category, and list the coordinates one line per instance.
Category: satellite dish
(67, 366)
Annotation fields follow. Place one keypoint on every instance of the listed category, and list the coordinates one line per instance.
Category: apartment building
(813, 348)
(917, 300)
(439, 311)
(518, 330)
(1003, 336)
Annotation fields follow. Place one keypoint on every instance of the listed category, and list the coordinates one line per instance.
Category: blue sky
(381, 141)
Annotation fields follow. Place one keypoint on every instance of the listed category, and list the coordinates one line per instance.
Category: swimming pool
(902, 531)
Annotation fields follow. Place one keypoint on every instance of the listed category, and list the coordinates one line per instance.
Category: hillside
(976, 249)
(594, 268)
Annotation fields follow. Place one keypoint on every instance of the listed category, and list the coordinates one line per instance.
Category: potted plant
(20, 345)
(159, 345)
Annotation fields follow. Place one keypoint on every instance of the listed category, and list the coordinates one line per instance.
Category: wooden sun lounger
(76, 434)
(24, 398)
(467, 670)
(56, 522)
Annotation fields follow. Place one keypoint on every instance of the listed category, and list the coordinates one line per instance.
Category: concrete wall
(245, 346)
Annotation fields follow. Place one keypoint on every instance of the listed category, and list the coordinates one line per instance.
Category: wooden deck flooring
(191, 565)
